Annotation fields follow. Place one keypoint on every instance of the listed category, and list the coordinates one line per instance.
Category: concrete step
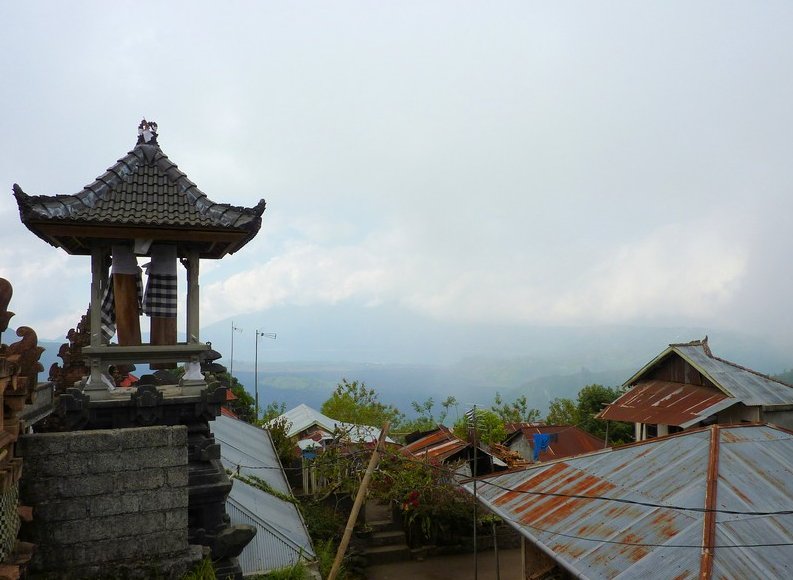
(384, 526)
(388, 538)
(387, 554)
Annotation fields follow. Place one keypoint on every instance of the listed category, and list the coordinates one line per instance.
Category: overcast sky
(543, 163)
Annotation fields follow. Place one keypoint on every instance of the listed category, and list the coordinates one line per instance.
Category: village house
(446, 448)
(710, 503)
(540, 442)
(687, 386)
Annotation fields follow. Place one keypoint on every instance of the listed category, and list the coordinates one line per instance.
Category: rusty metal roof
(440, 444)
(641, 530)
(144, 191)
(570, 440)
(666, 403)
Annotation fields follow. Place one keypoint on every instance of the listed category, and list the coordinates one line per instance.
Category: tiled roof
(143, 189)
(644, 510)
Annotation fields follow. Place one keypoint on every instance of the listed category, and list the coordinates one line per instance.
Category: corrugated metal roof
(440, 444)
(607, 539)
(666, 403)
(570, 440)
(747, 386)
(281, 537)
(304, 417)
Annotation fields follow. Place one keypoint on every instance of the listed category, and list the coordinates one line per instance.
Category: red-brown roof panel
(663, 402)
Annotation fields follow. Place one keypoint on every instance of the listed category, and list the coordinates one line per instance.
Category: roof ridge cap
(754, 372)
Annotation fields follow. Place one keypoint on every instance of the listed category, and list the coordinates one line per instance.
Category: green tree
(489, 427)
(517, 411)
(354, 402)
(590, 401)
(562, 412)
(273, 410)
(426, 419)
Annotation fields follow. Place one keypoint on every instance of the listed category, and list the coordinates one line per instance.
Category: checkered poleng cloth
(160, 300)
(108, 308)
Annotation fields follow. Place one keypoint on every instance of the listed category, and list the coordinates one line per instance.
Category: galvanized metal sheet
(752, 388)
(282, 537)
(596, 538)
(304, 417)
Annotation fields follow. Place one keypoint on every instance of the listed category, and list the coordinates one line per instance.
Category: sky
(529, 163)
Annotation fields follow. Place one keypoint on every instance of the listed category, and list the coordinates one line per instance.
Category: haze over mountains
(408, 357)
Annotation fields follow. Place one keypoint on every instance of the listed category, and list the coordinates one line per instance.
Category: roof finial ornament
(147, 133)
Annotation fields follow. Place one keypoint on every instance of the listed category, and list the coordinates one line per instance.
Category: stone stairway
(387, 542)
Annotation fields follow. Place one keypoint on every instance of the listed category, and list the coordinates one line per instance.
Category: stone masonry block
(53, 466)
(158, 457)
(56, 511)
(176, 476)
(124, 528)
(37, 444)
(94, 441)
(33, 490)
(108, 505)
(176, 521)
(165, 499)
(145, 437)
(85, 485)
(179, 436)
(107, 462)
(145, 546)
(163, 542)
(153, 478)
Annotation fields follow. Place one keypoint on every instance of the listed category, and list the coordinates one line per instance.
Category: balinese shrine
(144, 216)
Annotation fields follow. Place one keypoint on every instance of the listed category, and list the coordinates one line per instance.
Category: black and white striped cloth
(160, 300)
(108, 307)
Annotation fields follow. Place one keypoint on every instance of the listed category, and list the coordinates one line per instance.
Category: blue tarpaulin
(541, 442)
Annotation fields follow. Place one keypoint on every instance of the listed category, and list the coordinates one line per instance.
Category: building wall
(108, 503)
(781, 418)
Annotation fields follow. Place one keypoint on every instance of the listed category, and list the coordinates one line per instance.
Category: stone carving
(19, 368)
(74, 367)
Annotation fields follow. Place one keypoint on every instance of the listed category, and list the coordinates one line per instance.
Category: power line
(647, 545)
(641, 503)
(614, 499)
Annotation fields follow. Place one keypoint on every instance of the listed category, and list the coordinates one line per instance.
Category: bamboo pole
(356, 507)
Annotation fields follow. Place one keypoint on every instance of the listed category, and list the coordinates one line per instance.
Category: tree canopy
(354, 402)
(590, 401)
(517, 411)
(489, 427)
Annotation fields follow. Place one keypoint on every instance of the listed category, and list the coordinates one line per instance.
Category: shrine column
(97, 275)
(192, 296)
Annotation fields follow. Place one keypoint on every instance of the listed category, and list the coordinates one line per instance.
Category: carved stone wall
(108, 503)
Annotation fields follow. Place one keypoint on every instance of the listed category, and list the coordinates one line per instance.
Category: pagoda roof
(143, 196)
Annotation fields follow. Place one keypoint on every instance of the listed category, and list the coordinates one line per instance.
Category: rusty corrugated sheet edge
(715, 408)
(665, 402)
(709, 519)
(625, 446)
